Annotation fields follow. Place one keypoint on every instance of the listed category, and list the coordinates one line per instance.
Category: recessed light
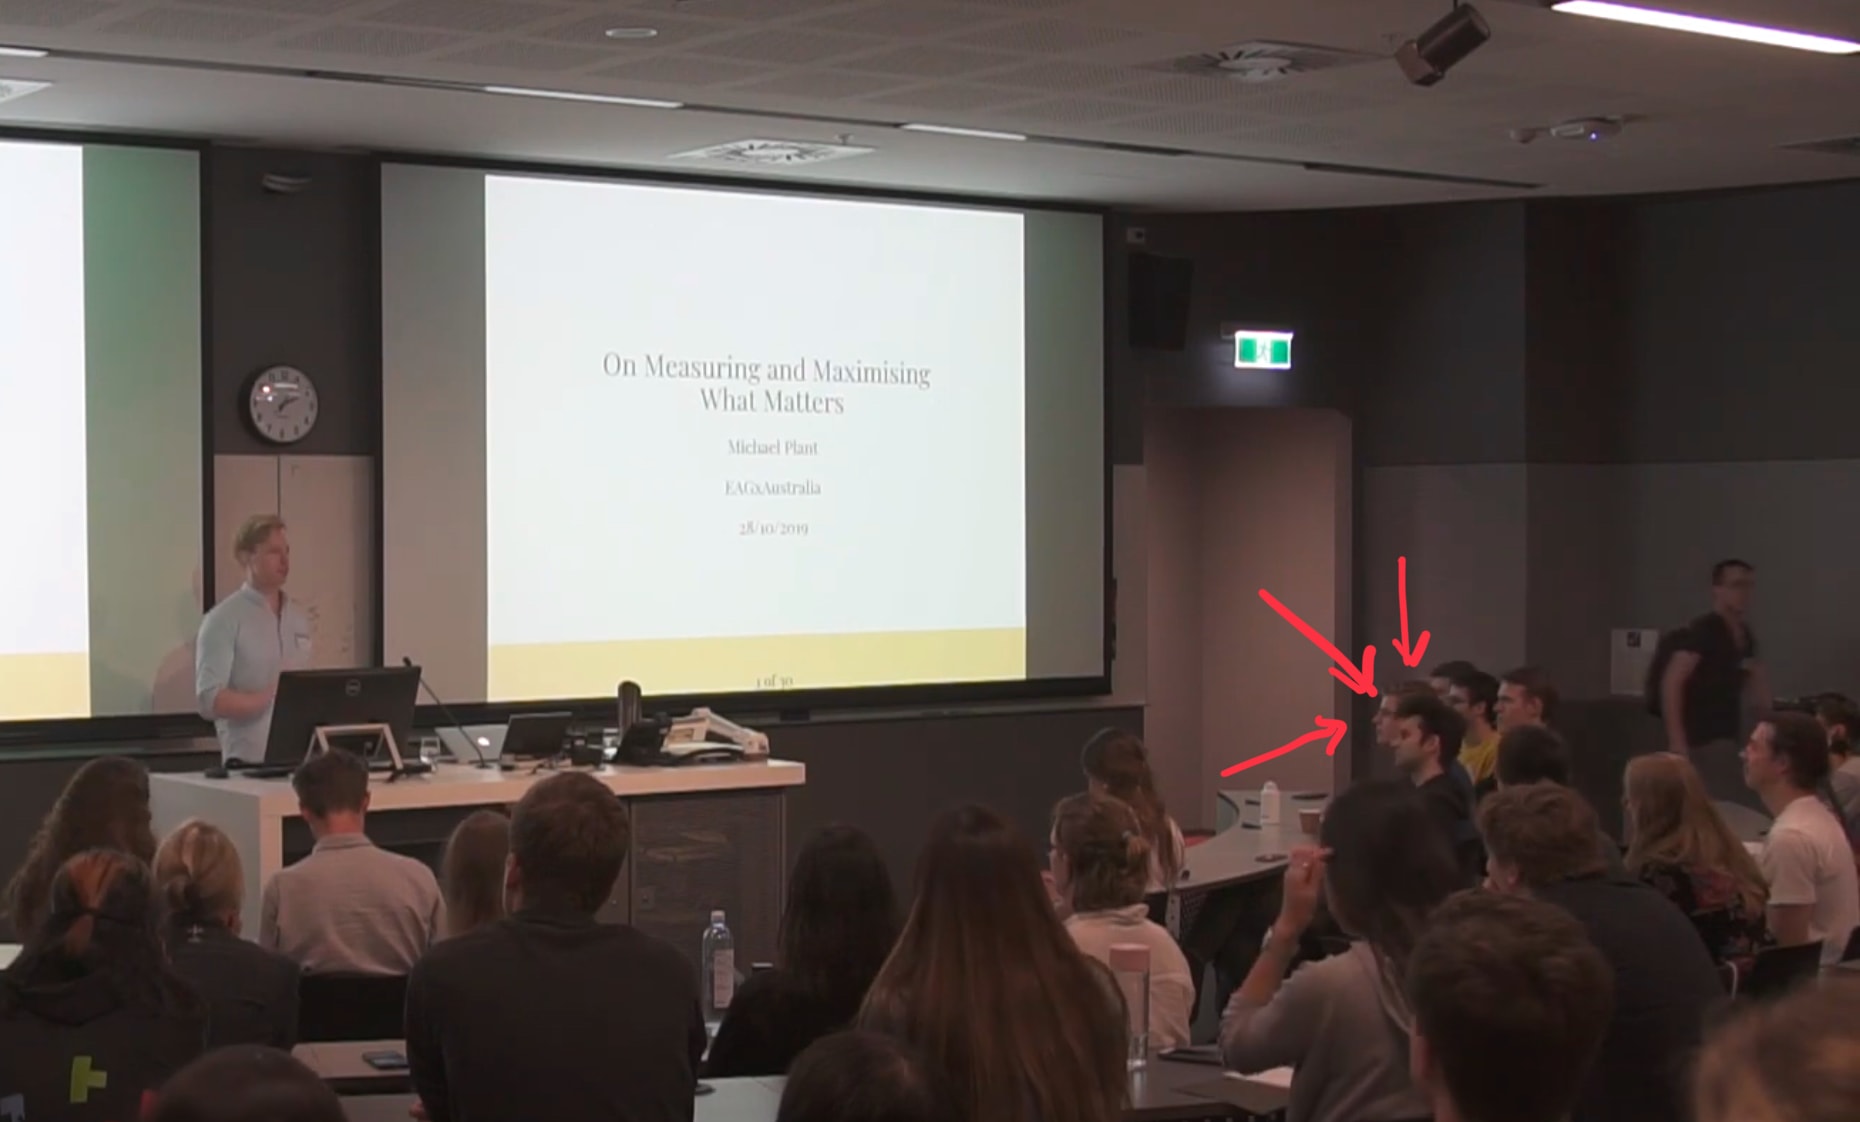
(571, 95)
(632, 33)
(956, 130)
(1701, 25)
(23, 52)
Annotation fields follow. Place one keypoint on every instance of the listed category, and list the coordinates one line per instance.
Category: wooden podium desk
(704, 836)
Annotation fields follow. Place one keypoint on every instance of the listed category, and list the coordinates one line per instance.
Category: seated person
(1541, 838)
(246, 1084)
(1533, 753)
(1841, 719)
(1117, 764)
(471, 873)
(105, 805)
(1511, 1002)
(91, 1017)
(1814, 893)
(547, 1014)
(1342, 1021)
(1100, 862)
(1426, 734)
(863, 1077)
(1526, 699)
(1682, 847)
(349, 907)
(251, 993)
(1796, 1059)
(839, 925)
(1473, 694)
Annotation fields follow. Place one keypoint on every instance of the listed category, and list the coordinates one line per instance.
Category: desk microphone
(447, 714)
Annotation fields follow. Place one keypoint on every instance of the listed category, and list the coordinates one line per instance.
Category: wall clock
(282, 404)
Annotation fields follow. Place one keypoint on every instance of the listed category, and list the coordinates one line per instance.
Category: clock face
(282, 405)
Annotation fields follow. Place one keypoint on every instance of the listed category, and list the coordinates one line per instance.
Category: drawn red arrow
(1410, 656)
(1362, 680)
(1327, 728)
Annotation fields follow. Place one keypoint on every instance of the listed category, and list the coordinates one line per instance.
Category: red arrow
(1362, 681)
(1410, 656)
(1327, 728)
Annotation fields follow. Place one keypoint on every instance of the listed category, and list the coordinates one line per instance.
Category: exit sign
(1262, 350)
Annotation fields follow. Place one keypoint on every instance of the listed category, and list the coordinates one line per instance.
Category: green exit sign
(1262, 350)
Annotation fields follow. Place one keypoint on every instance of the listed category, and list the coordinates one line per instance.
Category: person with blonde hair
(471, 873)
(251, 992)
(247, 640)
(1679, 844)
(1100, 861)
(1796, 1059)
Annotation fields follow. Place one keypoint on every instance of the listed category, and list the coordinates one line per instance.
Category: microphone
(447, 714)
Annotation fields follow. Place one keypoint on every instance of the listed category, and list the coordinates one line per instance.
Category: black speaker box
(1159, 292)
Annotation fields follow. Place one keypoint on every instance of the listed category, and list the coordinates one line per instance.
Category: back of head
(1390, 864)
(334, 782)
(1532, 754)
(471, 873)
(1673, 822)
(1535, 682)
(1437, 720)
(841, 919)
(1796, 1059)
(1106, 854)
(1841, 718)
(1449, 671)
(105, 805)
(1546, 831)
(568, 840)
(246, 1083)
(198, 874)
(1800, 740)
(1119, 762)
(100, 920)
(1511, 1002)
(988, 983)
(864, 1077)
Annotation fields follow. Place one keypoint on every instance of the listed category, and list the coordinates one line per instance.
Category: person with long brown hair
(1117, 764)
(1099, 860)
(989, 986)
(1679, 844)
(91, 1016)
(471, 873)
(105, 805)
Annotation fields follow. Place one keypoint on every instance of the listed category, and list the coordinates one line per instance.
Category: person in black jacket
(92, 1020)
(251, 992)
(839, 925)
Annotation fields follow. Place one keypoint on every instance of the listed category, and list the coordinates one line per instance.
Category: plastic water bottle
(718, 975)
(1130, 965)
(1269, 804)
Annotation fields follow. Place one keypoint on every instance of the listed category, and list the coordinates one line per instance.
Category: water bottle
(1269, 804)
(1130, 964)
(718, 972)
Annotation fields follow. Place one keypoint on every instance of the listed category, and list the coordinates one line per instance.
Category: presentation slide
(729, 441)
(99, 428)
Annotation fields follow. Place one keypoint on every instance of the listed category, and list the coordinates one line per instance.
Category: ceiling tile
(1085, 77)
(1051, 36)
(672, 30)
(735, 9)
(1078, 111)
(951, 97)
(183, 25)
(372, 42)
(476, 16)
(310, 9)
(49, 13)
(825, 85)
(1190, 122)
(792, 46)
(516, 54)
(684, 70)
(907, 20)
(931, 60)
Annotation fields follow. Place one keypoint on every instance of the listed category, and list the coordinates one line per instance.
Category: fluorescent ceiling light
(569, 95)
(23, 52)
(953, 130)
(1699, 25)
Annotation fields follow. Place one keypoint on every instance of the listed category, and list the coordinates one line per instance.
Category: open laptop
(528, 736)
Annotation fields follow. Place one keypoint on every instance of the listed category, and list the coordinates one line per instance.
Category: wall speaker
(1159, 292)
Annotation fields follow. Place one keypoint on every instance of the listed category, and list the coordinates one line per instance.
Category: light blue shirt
(244, 645)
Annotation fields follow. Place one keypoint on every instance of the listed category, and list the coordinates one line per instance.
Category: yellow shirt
(1480, 758)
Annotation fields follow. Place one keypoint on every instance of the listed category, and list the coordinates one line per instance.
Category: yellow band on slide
(537, 671)
(39, 686)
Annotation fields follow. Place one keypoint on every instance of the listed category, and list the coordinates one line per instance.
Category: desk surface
(1246, 850)
(8, 952)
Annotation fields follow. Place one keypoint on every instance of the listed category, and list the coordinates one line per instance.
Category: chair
(1852, 952)
(1780, 969)
(333, 1007)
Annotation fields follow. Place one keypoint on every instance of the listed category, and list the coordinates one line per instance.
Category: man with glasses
(1713, 665)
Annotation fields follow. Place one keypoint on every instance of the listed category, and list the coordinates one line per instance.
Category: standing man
(247, 640)
(1711, 666)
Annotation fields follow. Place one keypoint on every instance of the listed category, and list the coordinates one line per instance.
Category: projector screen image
(721, 441)
(100, 441)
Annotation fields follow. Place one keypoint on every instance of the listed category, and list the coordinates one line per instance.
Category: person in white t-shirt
(1814, 892)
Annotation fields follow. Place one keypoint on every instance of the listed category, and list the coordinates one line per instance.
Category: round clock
(282, 404)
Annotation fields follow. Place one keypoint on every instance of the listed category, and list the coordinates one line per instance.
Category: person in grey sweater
(1342, 1022)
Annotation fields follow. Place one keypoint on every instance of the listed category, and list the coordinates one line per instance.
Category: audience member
(1342, 1022)
(1711, 665)
(863, 1077)
(91, 1016)
(1511, 1002)
(1814, 894)
(1525, 697)
(546, 1013)
(1531, 754)
(246, 1084)
(1796, 1059)
(839, 924)
(105, 805)
(1427, 734)
(1541, 838)
(251, 993)
(1474, 696)
(471, 873)
(1384, 720)
(986, 982)
(349, 907)
(1117, 764)
(1840, 718)
(1099, 861)
(1679, 844)
(1440, 678)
